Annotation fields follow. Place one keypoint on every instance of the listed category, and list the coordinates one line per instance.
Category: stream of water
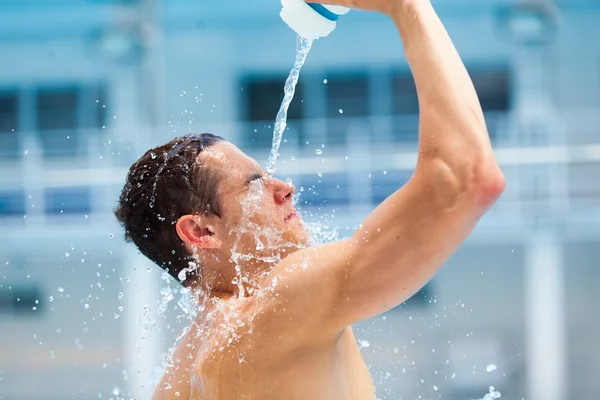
(302, 48)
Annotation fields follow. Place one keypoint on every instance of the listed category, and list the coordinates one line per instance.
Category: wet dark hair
(165, 184)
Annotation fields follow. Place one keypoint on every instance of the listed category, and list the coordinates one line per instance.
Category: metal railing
(367, 160)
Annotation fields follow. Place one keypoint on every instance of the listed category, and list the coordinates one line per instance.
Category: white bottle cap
(307, 22)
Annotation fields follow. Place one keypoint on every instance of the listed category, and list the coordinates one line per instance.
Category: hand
(387, 7)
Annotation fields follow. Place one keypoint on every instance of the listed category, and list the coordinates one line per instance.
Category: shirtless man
(283, 331)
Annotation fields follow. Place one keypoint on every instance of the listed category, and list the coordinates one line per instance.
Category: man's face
(259, 225)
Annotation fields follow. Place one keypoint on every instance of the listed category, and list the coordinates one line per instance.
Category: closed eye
(255, 176)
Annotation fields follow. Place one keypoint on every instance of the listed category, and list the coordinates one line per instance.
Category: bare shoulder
(292, 299)
(302, 290)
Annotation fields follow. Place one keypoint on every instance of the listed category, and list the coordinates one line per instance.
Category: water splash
(265, 238)
(218, 323)
(492, 395)
(302, 48)
(167, 157)
(215, 323)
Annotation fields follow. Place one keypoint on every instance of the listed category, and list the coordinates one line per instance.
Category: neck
(221, 294)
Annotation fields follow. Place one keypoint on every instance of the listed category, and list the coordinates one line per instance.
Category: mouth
(293, 215)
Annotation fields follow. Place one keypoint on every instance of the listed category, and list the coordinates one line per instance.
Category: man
(275, 312)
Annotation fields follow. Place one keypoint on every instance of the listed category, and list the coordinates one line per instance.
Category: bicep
(402, 244)
(396, 250)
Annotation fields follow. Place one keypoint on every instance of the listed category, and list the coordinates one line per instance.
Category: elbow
(487, 184)
(477, 181)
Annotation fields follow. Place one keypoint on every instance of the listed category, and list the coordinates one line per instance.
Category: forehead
(229, 159)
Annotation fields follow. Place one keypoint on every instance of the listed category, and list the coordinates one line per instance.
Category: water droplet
(320, 174)
(51, 299)
(385, 172)
(117, 316)
(435, 388)
(26, 152)
(111, 235)
(60, 289)
(293, 158)
(341, 111)
(493, 394)
(364, 343)
(491, 367)
(116, 391)
(67, 254)
(182, 275)
(319, 151)
(153, 156)
(325, 81)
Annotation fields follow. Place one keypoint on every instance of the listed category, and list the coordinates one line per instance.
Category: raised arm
(407, 238)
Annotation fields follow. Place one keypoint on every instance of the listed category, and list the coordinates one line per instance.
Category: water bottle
(311, 20)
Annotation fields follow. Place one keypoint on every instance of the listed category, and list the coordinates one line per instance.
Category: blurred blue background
(86, 86)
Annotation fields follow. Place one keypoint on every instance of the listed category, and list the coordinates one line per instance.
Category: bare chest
(265, 369)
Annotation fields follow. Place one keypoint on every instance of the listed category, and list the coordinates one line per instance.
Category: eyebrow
(252, 177)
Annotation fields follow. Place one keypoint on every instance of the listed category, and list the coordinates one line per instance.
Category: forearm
(452, 128)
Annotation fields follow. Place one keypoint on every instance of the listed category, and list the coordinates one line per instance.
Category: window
(94, 109)
(57, 121)
(423, 298)
(21, 300)
(62, 117)
(262, 98)
(328, 190)
(62, 113)
(383, 185)
(347, 97)
(72, 200)
(12, 203)
(405, 94)
(9, 124)
(56, 109)
(493, 89)
(492, 86)
(9, 112)
(405, 107)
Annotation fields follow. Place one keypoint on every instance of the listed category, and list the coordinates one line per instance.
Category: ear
(193, 230)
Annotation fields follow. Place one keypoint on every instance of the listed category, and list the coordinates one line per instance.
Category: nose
(283, 191)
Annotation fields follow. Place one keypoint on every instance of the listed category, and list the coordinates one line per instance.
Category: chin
(301, 239)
